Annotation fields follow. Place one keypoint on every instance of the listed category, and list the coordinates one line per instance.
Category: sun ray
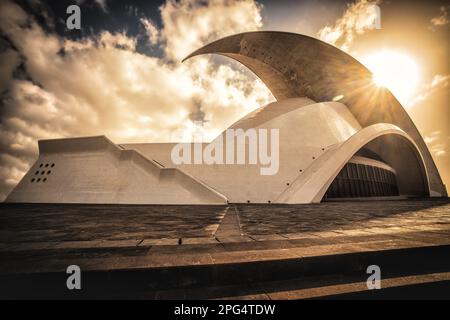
(395, 71)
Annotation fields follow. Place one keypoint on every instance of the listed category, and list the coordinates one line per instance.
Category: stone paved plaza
(27, 222)
(62, 223)
(335, 216)
(261, 251)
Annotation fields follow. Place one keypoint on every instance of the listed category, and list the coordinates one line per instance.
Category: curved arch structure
(311, 186)
(294, 65)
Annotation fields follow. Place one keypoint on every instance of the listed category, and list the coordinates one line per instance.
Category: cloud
(132, 10)
(151, 30)
(187, 24)
(99, 3)
(102, 4)
(438, 150)
(432, 137)
(359, 17)
(102, 85)
(437, 83)
(440, 80)
(436, 144)
(9, 60)
(442, 19)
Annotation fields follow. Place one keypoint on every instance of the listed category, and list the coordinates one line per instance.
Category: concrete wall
(307, 130)
(94, 170)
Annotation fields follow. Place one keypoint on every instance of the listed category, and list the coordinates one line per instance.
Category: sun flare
(395, 71)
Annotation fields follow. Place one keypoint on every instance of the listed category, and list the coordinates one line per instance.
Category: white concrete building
(340, 137)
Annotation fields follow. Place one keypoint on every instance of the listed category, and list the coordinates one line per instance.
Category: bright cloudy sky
(121, 74)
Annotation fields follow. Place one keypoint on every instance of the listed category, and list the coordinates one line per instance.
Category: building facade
(339, 136)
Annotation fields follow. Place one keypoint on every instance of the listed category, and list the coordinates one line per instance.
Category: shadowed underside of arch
(392, 143)
(293, 65)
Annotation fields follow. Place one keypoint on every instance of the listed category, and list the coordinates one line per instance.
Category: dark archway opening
(363, 177)
(388, 166)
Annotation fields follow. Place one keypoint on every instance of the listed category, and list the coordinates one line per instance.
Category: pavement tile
(118, 243)
(354, 232)
(392, 244)
(328, 234)
(269, 237)
(234, 239)
(259, 296)
(300, 235)
(251, 255)
(424, 237)
(77, 244)
(204, 240)
(322, 250)
(28, 246)
(317, 292)
(159, 242)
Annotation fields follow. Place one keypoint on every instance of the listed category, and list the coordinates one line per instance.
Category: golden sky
(126, 81)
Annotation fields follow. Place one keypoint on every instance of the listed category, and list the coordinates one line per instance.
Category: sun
(395, 71)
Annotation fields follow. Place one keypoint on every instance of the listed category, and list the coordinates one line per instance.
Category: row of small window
(42, 172)
(46, 165)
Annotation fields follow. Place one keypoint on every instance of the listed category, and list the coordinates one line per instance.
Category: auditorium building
(339, 137)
